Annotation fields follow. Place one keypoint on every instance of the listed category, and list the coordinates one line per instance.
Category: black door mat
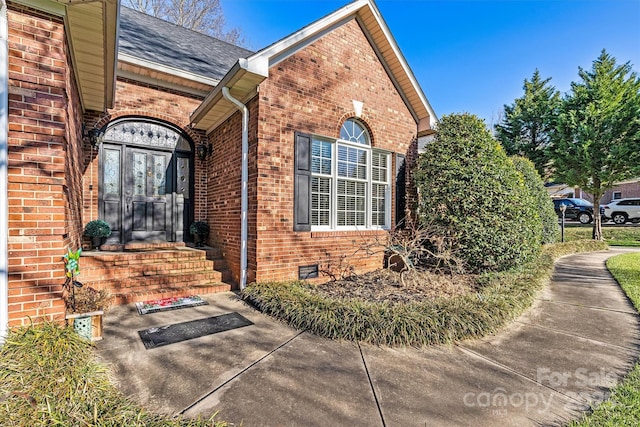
(171, 334)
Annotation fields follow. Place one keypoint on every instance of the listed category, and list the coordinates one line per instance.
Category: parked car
(578, 209)
(622, 210)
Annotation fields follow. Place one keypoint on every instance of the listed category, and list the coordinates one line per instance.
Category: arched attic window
(353, 131)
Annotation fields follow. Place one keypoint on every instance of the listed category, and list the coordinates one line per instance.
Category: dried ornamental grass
(48, 376)
(496, 299)
(88, 299)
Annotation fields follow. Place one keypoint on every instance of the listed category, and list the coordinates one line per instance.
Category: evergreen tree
(597, 136)
(526, 124)
(472, 193)
(535, 185)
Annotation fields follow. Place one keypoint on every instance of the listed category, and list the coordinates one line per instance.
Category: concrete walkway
(580, 338)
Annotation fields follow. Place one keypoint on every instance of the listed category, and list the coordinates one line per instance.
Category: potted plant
(85, 305)
(98, 230)
(200, 231)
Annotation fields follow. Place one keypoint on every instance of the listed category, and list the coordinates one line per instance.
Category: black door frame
(181, 207)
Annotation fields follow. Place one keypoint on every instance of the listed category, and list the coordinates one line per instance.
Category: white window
(350, 183)
(617, 195)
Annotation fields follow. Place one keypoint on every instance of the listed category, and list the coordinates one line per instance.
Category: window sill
(347, 233)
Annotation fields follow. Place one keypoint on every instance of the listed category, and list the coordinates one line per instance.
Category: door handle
(128, 203)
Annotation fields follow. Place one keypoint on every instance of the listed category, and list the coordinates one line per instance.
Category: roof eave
(92, 33)
(397, 67)
(242, 80)
(256, 67)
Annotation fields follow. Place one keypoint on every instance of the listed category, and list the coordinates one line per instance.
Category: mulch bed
(387, 286)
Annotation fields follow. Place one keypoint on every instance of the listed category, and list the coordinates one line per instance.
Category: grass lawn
(623, 407)
(614, 236)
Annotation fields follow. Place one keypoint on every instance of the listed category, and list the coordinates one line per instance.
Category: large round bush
(469, 189)
(535, 185)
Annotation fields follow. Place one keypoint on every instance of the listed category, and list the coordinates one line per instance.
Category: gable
(314, 91)
(246, 75)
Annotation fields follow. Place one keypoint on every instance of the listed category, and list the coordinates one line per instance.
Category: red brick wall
(41, 218)
(74, 163)
(312, 92)
(224, 190)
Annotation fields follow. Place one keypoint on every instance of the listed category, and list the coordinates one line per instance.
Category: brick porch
(148, 271)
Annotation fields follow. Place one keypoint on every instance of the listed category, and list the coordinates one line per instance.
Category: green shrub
(199, 228)
(535, 185)
(97, 228)
(471, 190)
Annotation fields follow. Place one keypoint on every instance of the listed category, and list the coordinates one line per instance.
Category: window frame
(334, 177)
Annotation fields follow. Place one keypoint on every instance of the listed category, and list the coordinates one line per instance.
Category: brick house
(294, 155)
(621, 190)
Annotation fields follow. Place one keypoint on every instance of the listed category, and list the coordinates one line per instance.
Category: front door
(148, 193)
(145, 182)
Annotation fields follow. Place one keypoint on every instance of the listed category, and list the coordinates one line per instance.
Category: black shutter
(302, 183)
(401, 193)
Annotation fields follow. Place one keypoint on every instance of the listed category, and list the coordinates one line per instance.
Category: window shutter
(401, 194)
(302, 183)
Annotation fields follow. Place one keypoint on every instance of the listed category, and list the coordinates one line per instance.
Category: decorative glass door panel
(112, 190)
(146, 196)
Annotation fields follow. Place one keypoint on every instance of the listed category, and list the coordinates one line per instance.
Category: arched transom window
(350, 181)
(353, 131)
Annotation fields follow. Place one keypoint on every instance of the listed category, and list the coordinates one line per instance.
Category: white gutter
(244, 203)
(4, 147)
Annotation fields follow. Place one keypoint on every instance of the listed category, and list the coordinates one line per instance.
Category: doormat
(171, 334)
(172, 303)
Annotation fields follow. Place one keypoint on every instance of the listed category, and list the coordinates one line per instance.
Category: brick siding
(42, 190)
(627, 190)
(54, 173)
(312, 92)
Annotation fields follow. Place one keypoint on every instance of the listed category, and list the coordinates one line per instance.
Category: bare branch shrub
(417, 247)
(339, 269)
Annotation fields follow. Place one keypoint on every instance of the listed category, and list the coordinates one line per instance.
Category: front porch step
(154, 272)
(169, 292)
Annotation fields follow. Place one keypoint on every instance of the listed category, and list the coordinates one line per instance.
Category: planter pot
(87, 325)
(199, 240)
(97, 242)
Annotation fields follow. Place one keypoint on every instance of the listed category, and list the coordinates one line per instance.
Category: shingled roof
(152, 39)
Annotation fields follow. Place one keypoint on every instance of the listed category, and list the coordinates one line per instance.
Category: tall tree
(597, 136)
(526, 124)
(205, 16)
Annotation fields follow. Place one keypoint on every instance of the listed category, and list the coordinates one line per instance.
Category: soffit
(92, 31)
(158, 75)
(242, 83)
(93, 28)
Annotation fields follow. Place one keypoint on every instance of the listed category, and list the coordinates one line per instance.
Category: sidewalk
(580, 338)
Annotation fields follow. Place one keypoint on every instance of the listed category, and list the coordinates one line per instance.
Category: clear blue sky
(472, 56)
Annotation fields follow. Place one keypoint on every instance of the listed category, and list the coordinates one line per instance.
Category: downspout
(244, 203)
(4, 148)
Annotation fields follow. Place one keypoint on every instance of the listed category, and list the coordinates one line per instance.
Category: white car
(622, 210)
